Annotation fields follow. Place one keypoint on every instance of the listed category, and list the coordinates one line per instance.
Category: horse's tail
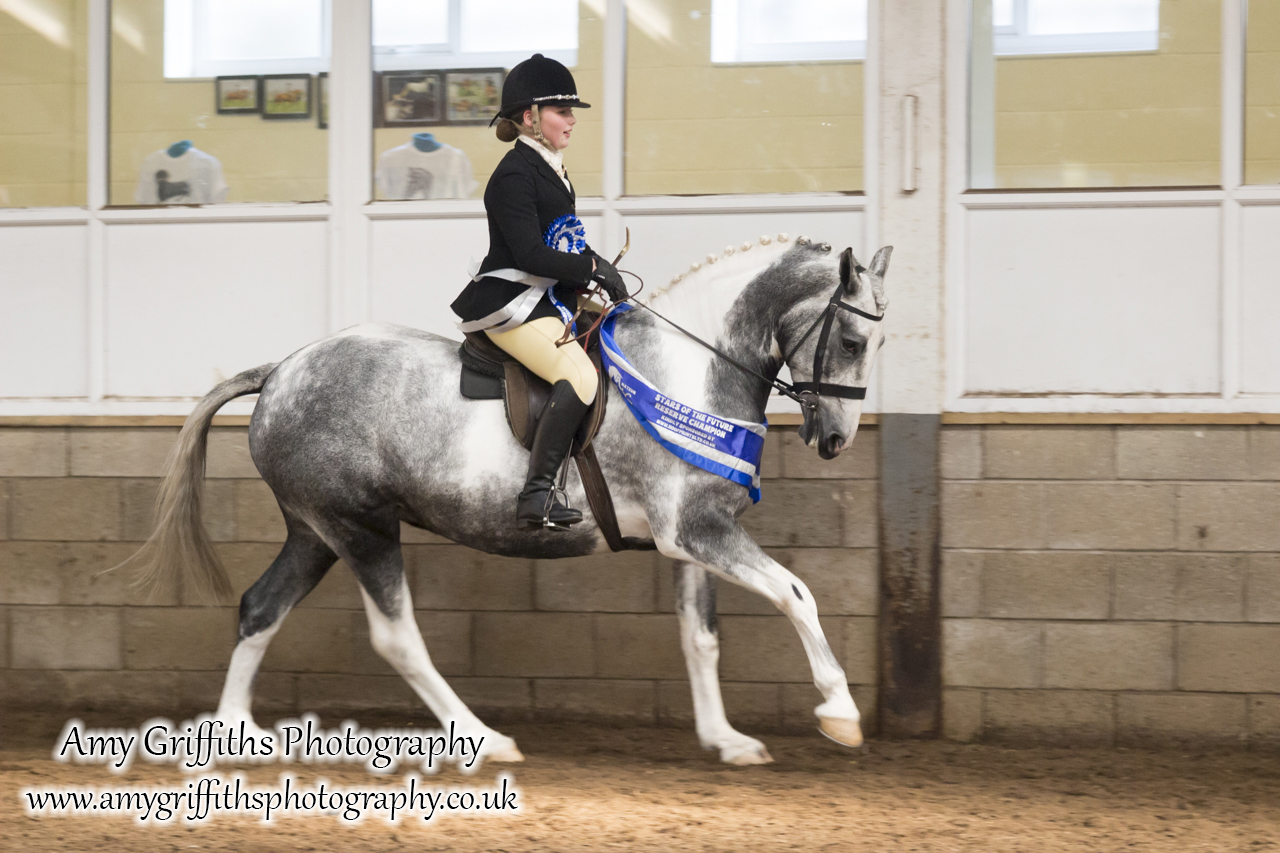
(180, 542)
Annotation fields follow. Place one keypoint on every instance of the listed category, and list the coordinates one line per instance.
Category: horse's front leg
(696, 607)
(713, 539)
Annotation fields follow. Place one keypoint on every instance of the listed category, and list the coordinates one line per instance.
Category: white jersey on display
(193, 177)
(406, 172)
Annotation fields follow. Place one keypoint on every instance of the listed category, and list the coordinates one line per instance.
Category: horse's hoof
(501, 748)
(843, 732)
(745, 754)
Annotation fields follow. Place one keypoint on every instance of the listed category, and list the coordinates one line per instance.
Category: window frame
(451, 55)
(730, 44)
(185, 52)
(1014, 40)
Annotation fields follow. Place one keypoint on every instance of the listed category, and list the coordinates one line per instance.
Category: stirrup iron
(560, 491)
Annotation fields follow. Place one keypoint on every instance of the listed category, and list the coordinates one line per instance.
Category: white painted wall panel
(189, 304)
(43, 311)
(1260, 301)
(1098, 301)
(419, 266)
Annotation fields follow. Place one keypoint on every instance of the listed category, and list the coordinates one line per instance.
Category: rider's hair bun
(507, 130)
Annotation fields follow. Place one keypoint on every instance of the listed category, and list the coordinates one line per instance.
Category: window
(698, 126)
(1024, 27)
(201, 141)
(787, 30)
(209, 38)
(1088, 116)
(1262, 94)
(433, 156)
(472, 33)
(43, 48)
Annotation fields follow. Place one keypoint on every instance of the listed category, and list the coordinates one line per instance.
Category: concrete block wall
(594, 636)
(1117, 584)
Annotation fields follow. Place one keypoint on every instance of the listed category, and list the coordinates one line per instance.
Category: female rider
(526, 288)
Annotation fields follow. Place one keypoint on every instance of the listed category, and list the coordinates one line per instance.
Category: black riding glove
(607, 275)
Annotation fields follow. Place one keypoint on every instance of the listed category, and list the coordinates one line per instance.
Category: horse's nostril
(834, 444)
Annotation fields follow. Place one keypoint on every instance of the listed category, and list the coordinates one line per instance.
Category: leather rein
(807, 394)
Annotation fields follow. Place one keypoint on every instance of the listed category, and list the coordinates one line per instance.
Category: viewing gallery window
(472, 33)
(436, 92)
(210, 38)
(43, 50)
(1262, 94)
(1024, 27)
(253, 135)
(788, 30)
(1048, 109)
(717, 104)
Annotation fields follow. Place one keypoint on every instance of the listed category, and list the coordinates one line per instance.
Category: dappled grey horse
(366, 429)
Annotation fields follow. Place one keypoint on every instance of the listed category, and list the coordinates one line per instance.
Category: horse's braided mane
(705, 268)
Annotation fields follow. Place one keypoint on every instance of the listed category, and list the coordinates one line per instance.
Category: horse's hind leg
(301, 565)
(696, 607)
(376, 559)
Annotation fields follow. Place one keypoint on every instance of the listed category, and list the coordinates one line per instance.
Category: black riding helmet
(537, 80)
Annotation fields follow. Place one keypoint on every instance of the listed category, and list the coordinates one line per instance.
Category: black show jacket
(523, 198)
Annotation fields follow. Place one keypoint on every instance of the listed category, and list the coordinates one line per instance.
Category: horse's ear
(880, 263)
(849, 278)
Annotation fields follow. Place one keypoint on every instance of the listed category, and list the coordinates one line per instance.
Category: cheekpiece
(567, 234)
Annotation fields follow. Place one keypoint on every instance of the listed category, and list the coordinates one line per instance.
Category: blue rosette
(567, 234)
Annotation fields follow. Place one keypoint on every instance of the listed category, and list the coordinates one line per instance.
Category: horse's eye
(851, 346)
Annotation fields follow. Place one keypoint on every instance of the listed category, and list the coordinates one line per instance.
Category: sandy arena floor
(594, 788)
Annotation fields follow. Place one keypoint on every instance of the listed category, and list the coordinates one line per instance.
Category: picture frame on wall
(286, 96)
(474, 95)
(238, 95)
(409, 99)
(322, 100)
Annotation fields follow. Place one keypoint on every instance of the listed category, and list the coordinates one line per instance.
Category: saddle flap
(525, 396)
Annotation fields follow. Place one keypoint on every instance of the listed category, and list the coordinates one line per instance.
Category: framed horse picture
(408, 99)
(286, 96)
(474, 95)
(238, 95)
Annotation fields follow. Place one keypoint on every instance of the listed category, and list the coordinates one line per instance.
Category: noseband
(807, 394)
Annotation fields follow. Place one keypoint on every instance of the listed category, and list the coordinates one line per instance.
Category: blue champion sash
(727, 447)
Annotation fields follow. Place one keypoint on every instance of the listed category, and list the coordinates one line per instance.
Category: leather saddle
(490, 373)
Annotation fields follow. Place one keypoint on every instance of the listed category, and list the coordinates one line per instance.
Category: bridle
(807, 394)
(817, 387)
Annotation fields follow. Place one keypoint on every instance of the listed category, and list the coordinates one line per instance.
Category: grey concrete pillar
(910, 624)
(911, 72)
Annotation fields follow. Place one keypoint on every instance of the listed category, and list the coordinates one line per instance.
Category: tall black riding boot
(537, 507)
